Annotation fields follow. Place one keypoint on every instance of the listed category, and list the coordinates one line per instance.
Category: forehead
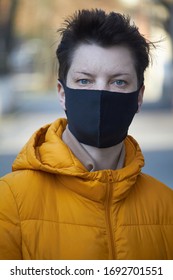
(91, 57)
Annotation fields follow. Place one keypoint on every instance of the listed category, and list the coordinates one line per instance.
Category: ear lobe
(61, 94)
(140, 98)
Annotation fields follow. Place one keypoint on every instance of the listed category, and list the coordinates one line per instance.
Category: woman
(77, 191)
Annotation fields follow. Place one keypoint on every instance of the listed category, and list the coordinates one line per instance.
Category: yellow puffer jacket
(51, 207)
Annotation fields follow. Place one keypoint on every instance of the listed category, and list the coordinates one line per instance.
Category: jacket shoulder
(154, 197)
(147, 181)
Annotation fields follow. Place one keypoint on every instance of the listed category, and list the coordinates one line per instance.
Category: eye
(83, 81)
(119, 83)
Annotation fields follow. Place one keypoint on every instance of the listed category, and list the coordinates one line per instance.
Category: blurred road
(152, 129)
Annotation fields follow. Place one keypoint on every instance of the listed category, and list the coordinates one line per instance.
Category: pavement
(153, 129)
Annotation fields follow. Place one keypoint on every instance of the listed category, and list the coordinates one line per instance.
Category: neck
(94, 158)
(106, 158)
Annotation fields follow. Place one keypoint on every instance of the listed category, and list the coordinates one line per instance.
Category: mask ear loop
(62, 83)
(64, 86)
(140, 102)
(61, 93)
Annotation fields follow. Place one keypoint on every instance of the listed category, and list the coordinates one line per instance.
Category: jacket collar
(46, 151)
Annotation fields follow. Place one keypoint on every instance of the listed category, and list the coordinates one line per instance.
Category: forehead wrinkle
(92, 61)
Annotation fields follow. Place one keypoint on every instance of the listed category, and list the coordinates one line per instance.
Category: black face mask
(100, 118)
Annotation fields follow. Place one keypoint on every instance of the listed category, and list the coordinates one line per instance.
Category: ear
(140, 97)
(61, 94)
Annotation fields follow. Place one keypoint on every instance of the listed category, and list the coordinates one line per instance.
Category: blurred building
(31, 56)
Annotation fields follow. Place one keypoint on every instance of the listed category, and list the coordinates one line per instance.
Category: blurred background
(28, 75)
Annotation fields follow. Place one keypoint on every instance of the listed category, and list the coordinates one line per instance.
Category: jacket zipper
(108, 216)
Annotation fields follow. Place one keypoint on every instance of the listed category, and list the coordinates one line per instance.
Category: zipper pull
(110, 177)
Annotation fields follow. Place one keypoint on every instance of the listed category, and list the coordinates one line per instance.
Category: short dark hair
(106, 30)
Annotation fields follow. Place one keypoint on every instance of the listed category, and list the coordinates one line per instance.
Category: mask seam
(100, 115)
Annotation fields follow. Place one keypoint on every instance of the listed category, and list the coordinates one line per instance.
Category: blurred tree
(161, 15)
(166, 21)
(8, 10)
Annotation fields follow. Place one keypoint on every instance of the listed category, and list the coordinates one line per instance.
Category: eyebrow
(84, 73)
(112, 76)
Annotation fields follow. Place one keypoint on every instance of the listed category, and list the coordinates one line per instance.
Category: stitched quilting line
(130, 225)
(65, 223)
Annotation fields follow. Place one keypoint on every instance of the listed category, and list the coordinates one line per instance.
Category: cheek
(62, 102)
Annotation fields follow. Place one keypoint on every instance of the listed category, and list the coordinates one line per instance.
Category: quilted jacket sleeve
(10, 231)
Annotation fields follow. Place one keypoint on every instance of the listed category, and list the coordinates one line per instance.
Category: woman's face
(95, 67)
